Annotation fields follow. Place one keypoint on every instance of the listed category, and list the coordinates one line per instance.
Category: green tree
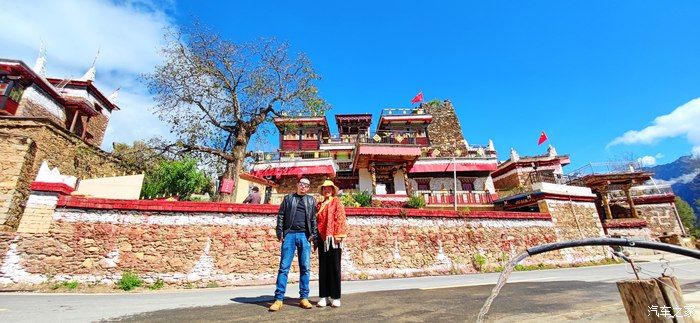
(216, 94)
(179, 177)
(686, 213)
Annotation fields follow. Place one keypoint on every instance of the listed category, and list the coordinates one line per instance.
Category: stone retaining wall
(26, 143)
(95, 240)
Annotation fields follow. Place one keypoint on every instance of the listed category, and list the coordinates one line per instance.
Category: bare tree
(215, 94)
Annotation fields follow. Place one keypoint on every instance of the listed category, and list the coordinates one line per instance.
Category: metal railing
(605, 168)
(341, 140)
(402, 111)
(463, 197)
(290, 155)
(394, 138)
(553, 178)
(642, 191)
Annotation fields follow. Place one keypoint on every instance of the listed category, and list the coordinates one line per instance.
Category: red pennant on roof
(418, 97)
(543, 138)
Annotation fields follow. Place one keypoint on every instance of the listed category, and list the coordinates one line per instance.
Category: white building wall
(399, 184)
(39, 97)
(365, 181)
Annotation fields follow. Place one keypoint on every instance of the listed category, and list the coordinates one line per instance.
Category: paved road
(587, 292)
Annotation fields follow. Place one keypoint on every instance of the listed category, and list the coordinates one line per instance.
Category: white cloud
(684, 179)
(128, 35)
(683, 121)
(647, 161)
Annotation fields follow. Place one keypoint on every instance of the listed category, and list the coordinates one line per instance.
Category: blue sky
(603, 79)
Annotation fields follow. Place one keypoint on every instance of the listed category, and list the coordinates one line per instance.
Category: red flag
(418, 97)
(543, 138)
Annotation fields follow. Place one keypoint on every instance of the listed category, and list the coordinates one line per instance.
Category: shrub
(158, 284)
(363, 198)
(129, 281)
(212, 285)
(349, 200)
(416, 202)
(479, 261)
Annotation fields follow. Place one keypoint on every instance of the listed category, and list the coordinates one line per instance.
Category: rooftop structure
(76, 105)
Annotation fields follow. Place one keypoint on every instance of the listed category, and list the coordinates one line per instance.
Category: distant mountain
(684, 177)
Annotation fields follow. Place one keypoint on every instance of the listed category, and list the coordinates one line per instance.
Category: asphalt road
(562, 294)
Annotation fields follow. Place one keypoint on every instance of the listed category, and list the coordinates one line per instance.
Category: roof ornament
(92, 72)
(514, 157)
(551, 151)
(491, 147)
(40, 64)
(466, 143)
(113, 97)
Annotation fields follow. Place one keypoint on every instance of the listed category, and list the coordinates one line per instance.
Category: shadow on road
(264, 300)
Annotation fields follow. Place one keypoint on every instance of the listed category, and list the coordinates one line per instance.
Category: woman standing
(332, 231)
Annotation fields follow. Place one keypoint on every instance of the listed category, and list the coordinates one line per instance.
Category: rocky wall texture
(16, 157)
(445, 131)
(661, 218)
(61, 149)
(97, 246)
(97, 126)
(574, 221)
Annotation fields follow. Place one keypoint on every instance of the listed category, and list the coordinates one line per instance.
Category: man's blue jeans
(294, 241)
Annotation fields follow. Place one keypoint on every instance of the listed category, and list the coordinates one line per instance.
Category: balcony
(642, 191)
(344, 165)
(463, 197)
(402, 111)
(338, 140)
(289, 155)
(407, 138)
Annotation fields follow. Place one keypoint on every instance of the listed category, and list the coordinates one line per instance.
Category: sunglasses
(303, 184)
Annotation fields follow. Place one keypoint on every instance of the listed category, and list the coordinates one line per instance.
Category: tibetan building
(56, 121)
(419, 151)
(75, 105)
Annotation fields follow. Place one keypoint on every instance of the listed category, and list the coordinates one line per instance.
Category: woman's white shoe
(335, 302)
(323, 302)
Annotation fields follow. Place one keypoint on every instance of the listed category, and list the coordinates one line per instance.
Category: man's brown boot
(275, 306)
(304, 303)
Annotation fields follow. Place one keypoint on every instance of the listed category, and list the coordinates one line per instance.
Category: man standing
(253, 197)
(296, 229)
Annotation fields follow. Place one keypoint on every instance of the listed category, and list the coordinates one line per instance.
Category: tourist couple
(302, 223)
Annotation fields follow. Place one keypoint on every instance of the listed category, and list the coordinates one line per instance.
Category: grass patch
(129, 281)
(212, 285)
(69, 285)
(158, 284)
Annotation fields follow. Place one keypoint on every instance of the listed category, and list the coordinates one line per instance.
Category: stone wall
(574, 221)
(26, 143)
(661, 218)
(62, 149)
(510, 181)
(445, 131)
(97, 126)
(94, 241)
(17, 160)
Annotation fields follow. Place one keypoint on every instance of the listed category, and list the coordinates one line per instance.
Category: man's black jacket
(286, 214)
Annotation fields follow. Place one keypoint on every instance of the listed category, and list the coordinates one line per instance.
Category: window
(467, 186)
